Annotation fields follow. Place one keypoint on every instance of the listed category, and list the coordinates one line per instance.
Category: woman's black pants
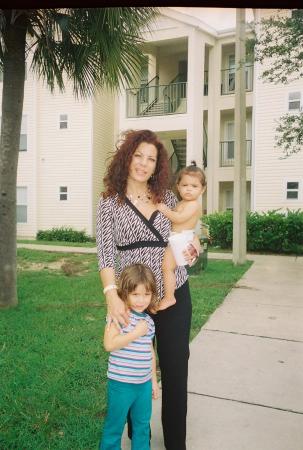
(172, 337)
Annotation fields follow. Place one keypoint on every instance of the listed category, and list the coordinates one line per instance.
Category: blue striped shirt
(133, 363)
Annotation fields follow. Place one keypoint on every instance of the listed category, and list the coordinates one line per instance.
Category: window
(229, 200)
(21, 204)
(63, 121)
(23, 135)
(294, 101)
(292, 190)
(63, 193)
(231, 73)
(230, 132)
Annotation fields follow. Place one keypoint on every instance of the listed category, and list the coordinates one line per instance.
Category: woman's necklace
(138, 199)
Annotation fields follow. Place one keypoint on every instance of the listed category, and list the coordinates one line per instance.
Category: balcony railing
(228, 78)
(156, 100)
(227, 153)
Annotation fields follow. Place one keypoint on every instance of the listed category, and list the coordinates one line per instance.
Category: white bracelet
(109, 288)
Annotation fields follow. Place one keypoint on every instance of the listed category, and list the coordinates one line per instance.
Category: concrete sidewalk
(246, 366)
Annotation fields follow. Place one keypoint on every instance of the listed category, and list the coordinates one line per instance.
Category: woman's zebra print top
(124, 236)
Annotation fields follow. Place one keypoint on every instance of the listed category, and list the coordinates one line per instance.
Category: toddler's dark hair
(134, 275)
(192, 170)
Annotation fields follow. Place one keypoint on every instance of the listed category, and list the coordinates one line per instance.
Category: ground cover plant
(52, 363)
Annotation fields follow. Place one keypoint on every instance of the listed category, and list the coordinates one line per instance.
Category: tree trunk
(12, 105)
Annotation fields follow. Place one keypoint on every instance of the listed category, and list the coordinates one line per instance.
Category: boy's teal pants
(124, 397)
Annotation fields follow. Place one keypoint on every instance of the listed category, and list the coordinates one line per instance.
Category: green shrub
(273, 231)
(66, 234)
(220, 228)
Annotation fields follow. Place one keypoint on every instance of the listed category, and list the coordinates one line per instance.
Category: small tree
(281, 40)
(91, 48)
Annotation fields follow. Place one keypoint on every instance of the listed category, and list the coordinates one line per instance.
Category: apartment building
(186, 94)
(63, 149)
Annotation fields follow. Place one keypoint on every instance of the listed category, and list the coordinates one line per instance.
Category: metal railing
(228, 79)
(138, 99)
(158, 100)
(227, 153)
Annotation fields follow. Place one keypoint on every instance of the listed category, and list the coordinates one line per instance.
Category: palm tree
(91, 48)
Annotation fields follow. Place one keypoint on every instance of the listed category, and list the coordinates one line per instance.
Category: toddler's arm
(189, 210)
(113, 340)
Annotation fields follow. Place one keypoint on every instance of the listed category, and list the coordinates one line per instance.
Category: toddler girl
(191, 183)
(132, 381)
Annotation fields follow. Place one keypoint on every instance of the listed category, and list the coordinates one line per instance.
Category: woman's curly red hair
(115, 180)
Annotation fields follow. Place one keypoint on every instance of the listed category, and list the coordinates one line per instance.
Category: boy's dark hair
(193, 170)
(134, 275)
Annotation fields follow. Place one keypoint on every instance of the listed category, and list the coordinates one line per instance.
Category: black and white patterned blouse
(124, 236)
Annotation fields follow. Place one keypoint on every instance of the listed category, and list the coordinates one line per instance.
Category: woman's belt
(140, 244)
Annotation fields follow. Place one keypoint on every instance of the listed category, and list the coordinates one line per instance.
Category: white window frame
(289, 101)
(299, 189)
(63, 120)
(63, 192)
(22, 204)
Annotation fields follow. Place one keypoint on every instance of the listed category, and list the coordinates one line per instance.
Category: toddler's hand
(162, 208)
(155, 390)
(141, 328)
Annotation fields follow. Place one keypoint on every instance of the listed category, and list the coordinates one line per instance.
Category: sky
(218, 18)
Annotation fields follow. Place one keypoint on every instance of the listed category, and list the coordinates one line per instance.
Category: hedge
(66, 234)
(273, 231)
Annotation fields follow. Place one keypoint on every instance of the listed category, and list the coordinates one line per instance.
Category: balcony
(228, 78)
(155, 99)
(227, 153)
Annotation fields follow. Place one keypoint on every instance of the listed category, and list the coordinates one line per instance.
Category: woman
(131, 230)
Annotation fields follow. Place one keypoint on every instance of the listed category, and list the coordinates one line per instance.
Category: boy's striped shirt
(133, 363)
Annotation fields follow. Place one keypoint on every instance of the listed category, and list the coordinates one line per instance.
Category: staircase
(156, 109)
(180, 151)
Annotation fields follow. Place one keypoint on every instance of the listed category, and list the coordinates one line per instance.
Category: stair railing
(139, 99)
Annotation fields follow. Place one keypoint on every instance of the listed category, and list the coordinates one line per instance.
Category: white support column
(152, 64)
(195, 86)
(239, 213)
(213, 132)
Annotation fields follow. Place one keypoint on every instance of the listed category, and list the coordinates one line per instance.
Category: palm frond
(95, 47)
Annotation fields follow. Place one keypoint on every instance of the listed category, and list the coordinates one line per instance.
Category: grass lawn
(62, 243)
(52, 364)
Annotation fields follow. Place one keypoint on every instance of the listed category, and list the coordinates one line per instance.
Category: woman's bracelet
(109, 288)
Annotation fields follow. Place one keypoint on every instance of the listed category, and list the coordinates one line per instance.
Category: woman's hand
(116, 309)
